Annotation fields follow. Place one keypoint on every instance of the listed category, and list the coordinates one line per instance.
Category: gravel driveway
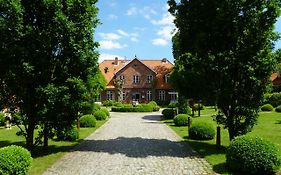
(131, 143)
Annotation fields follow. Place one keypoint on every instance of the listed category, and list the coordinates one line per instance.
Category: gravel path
(131, 143)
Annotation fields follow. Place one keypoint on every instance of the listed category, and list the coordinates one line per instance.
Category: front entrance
(136, 97)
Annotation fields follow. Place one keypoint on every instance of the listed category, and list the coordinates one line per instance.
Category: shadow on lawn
(152, 117)
(278, 122)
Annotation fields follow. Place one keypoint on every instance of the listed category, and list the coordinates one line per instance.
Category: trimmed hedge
(14, 160)
(201, 131)
(181, 120)
(252, 155)
(67, 134)
(267, 107)
(274, 99)
(169, 113)
(88, 121)
(278, 108)
(100, 115)
(137, 108)
(2, 119)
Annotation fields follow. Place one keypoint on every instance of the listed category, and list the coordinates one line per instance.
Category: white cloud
(159, 42)
(167, 19)
(132, 11)
(105, 56)
(166, 32)
(108, 45)
(134, 39)
(122, 32)
(109, 36)
(112, 16)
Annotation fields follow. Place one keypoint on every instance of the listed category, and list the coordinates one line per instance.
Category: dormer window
(106, 70)
(167, 78)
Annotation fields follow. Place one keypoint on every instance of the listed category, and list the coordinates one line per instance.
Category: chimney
(116, 61)
(164, 60)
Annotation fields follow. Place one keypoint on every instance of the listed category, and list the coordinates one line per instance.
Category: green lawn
(42, 159)
(268, 127)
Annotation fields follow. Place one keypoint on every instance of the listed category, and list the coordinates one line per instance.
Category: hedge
(137, 108)
(278, 108)
(274, 99)
(14, 160)
(267, 107)
(2, 119)
(252, 155)
(100, 115)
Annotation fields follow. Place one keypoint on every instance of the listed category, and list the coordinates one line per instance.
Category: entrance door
(136, 97)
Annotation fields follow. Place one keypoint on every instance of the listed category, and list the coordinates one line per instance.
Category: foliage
(162, 102)
(88, 121)
(196, 107)
(111, 103)
(67, 134)
(267, 107)
(181, 120)
(278, 108)
(100, 115)
(223, 52)
(137, 108)
(14, 160)
(2, 119)
(48, 57)
(173, 105)
(252, 155)
(169, 113)
(105, 111)
(201, 131)
(154, 105)
(274, 99)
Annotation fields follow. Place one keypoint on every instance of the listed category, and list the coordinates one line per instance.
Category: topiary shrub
(88, 121)
(278, 108)
(67, 134)
(100, 115)
(153, 103)
(267, 107)
(2, 119)
(173, 105)
(168, 113)
(154, 106)
(14, 160)
(252, 155)
(181, 120)
(105, 111)
(201, 131)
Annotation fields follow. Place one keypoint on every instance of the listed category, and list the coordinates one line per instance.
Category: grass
(42, 160)
(268, 127)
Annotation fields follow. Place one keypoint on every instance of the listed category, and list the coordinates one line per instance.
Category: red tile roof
(161, 67)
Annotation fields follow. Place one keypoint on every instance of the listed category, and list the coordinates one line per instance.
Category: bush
(154, 106)
(107, 103)
(153, 103)
(14, 160)
(138, 108)
(88, 121)
(278, 108)
(96, 107)
(2, 119)
(181, 120)
(100, 115)
(196, 107)
(67, 134)
(173, 105)
(274, 99)
(267, 107)
(201, 131)
(105, 111)
(252, 155)
(169, 113)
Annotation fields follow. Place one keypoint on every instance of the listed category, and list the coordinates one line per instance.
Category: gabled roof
(133, 61)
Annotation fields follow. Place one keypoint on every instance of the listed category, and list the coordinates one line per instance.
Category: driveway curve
(132, 143)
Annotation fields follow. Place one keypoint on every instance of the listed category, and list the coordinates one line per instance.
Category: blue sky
(137, 27)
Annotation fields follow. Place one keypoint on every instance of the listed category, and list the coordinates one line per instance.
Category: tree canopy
(223, 52)
(47, 55)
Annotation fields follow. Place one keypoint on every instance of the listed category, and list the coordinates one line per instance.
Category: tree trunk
(30, 136)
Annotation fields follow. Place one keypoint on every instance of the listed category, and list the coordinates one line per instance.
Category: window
(136, 79)
(109, 95)
(149, 78)
(161, 95)
(123, 95)
(148, 95)
(167, 78)
(173, 96)
(122, 78)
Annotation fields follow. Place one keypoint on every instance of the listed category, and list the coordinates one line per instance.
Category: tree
(223, 52)
(47, 55)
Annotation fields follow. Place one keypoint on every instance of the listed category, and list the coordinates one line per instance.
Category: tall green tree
(223, 52)
(47, 55)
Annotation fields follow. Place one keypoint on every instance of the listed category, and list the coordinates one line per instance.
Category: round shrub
(88, 121)
(201, 131)
(67, 134)
(153, 103)
(173, 105)
(267, 107)
(105, 111)
(168, 113)
(181, 120)
(252, 155)
(2, 119)
(14, 160)
(198, 106)
(278, 108)
(96, 107)
(154, 106)
(100, 115)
